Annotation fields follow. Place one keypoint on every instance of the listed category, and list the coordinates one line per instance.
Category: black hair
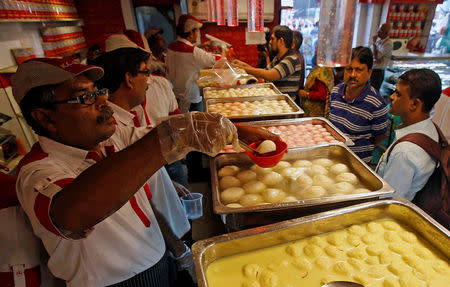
(284, 32)
(116, 64)
(182, 34)
(297, 39)
(37, 97)
(152, 39)
(363, 55)
(424, 84)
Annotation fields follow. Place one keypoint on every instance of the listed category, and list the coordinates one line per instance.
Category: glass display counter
(400, 64)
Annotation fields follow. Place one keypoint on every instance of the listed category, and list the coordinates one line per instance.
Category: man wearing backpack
(407, 166)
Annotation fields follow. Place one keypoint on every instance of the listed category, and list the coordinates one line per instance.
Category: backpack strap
(432, 147)
(436, 150)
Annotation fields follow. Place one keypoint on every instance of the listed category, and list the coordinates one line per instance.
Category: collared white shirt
(124, 244)
(164, 196)
(384, 47)
(184, 61)
(409, 166)
(159, 102)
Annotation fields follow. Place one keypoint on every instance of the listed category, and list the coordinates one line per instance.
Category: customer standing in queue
(81, 185)
(409, 166)
(356, 108)
(285, 69)
(382, 52)
(184, 61)
(297, 41)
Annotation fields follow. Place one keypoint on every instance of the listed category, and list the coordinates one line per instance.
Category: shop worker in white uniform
(82, 184)
(126, 77)
(159, 103)
(184, 61)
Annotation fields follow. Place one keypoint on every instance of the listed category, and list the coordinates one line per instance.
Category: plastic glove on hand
(204, 132)
(250, 134)
(186, 262)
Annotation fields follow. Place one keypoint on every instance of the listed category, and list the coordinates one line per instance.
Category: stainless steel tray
(208, 250)
(268, 85)
(245, 217)
(334, 131)
(298, 112)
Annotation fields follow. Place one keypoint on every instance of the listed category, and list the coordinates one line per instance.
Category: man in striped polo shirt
(356, 108)
(285, 69)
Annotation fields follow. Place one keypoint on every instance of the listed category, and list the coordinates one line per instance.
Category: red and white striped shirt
(164, 195)
(119, 247)
(159, 102)
(184, 61)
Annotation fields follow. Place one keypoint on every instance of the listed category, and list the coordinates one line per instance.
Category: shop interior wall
(100, 16)
(18, 35)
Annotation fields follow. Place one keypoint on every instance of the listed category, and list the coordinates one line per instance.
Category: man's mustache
(107, 112)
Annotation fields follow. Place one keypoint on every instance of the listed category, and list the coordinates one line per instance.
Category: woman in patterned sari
(316, 94)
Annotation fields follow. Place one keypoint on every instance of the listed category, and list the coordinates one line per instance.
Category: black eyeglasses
(145, 72)
(87, 98)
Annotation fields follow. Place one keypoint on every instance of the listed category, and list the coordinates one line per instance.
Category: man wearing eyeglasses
(81, 185)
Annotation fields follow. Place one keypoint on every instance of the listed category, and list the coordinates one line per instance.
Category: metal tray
(246, 217)
(298, 112)
(335, 132)
(208, 250)
(262, 85)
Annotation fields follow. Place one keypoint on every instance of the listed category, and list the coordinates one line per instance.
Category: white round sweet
(290, 198)
(232, 194)
(254, 186)
(341, 188)
(312, 192)
(246, 176)
(250, 199)
(266, 147)
(271, 178)
(339, 168)
(228, 170)
(322, 180)
(347, 177)
(281, 165)
(229, 181)
(302, 163)
(273, 195)
(323, 162)
(260, 170)
(317, 169)
(304, 181)
(234, 205)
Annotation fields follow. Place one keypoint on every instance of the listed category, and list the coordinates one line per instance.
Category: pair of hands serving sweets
(204, 132)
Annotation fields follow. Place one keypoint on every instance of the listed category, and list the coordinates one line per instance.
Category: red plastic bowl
(270, 159)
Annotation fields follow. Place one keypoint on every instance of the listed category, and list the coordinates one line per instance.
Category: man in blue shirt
(409, 166)
(356, 108)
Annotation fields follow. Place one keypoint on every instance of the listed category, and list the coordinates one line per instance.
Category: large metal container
(246, 217)
(208, 250)
(298, 112)
(335, 132)
(262, 85)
